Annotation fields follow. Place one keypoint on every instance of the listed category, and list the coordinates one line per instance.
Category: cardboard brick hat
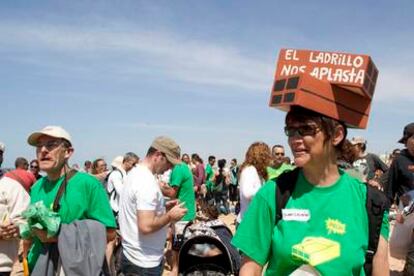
(338, 85)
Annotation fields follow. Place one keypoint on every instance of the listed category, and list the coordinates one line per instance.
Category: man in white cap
(83, 197)
(143, 218)
(369, 164)
(2, 149)
(121, 165)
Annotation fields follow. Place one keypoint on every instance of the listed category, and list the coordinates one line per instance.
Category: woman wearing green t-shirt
(324, 225)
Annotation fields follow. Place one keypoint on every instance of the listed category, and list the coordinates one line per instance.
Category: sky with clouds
(116, 74)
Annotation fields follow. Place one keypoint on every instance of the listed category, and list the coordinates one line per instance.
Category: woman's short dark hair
(327, 124)
(95, 165)
(196, 157)
(221, 163)
(21, 163)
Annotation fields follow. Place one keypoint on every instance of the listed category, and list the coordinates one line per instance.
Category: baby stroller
(206, 250)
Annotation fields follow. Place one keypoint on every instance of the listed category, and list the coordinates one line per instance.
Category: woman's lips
(298, 153)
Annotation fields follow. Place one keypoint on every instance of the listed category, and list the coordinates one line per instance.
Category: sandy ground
(396, 266)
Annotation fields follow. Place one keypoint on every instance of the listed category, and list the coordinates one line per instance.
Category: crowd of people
(126, 219)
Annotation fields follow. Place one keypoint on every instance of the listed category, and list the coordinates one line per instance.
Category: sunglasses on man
(49, 145)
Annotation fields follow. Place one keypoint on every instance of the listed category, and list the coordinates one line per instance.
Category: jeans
(129, 269)
(220, 198)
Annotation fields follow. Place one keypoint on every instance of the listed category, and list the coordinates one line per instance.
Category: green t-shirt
(182, 178)
(273, 173)
(84, 198)
(209, 177)
(332, 236)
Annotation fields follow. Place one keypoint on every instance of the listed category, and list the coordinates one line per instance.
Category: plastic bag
(39, 217)
(401, 237)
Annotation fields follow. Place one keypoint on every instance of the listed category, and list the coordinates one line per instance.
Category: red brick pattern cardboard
(322, 97)
(356, 73)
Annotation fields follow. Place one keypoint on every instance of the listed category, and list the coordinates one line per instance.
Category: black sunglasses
(49, 145)
(303, 130)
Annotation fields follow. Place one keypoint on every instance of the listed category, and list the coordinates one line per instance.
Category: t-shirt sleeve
(146, 199)
(19, 201)
(177, 177)
(254, 235)
(249, 182)
(392, 181)
(99, 208)
(385, 226)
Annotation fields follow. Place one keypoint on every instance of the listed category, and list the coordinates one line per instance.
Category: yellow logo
(335, 226)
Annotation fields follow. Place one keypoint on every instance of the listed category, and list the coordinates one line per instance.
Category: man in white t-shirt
(143, 218)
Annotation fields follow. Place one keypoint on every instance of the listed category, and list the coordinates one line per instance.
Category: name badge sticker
(295, 214)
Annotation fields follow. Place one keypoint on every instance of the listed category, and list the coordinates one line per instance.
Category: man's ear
(68, 152)
(339, 135)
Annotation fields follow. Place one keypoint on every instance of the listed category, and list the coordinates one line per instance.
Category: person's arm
(42, 235)
(168, 191)
(176, 179)
(227, 179)
(110, 234)
(392, 181)
(380, 265)
(250, 267)
(381, 165)
(148, 222)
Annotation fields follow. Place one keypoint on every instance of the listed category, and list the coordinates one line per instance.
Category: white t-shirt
(13, 201)
(115, 184)
(250, 182)
(141, 192)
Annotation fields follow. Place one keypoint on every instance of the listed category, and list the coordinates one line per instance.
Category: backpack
(112, 194)
(376, 204)
(196, 242)
(220, 183)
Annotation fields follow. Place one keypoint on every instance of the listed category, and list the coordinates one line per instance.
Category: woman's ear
(339, 135)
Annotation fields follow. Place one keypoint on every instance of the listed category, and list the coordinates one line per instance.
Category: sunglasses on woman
(302, 130)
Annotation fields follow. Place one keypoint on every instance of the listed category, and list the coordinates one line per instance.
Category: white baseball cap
(52, 131)
(2, 147)
(358, 140)
(117, 162)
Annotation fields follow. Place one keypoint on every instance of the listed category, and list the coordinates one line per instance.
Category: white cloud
(125, 51)
(395, 83)
(175, 57)
(189, 128)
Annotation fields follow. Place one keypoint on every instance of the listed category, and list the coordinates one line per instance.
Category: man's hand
(42, 235)
(375, 184)
(9, 231)
(177, 212)
(399, 218)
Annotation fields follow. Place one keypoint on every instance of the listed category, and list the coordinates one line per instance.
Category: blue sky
(116, 74)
